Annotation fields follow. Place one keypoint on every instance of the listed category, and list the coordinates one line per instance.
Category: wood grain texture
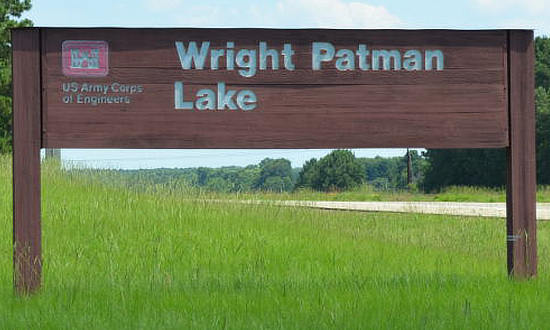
(463, 106)
(521, 201)
(26, 160)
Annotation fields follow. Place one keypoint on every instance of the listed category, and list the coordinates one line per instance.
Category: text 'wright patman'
(247, 62)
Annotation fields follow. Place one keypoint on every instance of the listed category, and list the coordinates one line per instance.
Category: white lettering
(225, 99)
(246, 58)
(208, 99)
(386, 57)
(247, 61)
(191, 55)
(215, 55)
(288, 52)
(265, 53)
(321, 52)
(413, 60)
(246, 100)
(345, 61)
(430, 56)
(230, 59)
(179, 102)
(362, 54)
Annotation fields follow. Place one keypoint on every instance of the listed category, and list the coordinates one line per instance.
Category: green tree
(339, 170)
(391, 172)
(246, 178)
(379, 168)
(542, 101)
(543, 134)
(542, 63)
(275, 175)
(11, 12)
(218, 184)
(308, 175)
(464, 167)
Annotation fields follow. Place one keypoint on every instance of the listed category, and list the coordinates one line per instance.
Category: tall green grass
(124, 259)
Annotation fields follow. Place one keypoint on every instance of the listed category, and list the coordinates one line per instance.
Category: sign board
(220, 88)
(267, 88)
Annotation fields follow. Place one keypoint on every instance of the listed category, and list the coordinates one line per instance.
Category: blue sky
(405, 14)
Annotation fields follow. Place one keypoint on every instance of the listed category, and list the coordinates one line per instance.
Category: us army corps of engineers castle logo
(85, 58)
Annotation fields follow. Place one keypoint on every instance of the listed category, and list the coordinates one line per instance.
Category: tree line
(340, 170)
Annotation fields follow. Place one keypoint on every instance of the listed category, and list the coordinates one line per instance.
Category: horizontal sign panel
(261, 88)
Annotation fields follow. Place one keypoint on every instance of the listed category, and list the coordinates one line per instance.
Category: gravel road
(452, 208)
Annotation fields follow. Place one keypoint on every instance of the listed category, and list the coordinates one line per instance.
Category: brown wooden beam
(521, 187)
(26, 160)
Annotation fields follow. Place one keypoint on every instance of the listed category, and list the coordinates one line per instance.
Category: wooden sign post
(266, 88)
(521, 187)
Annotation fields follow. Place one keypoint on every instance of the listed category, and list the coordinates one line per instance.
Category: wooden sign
(220, 88)
(265, 88)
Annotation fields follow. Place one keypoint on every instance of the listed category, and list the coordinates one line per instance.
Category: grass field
(117, 259)
(369, 193)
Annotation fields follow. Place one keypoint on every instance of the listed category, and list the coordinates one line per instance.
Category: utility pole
(409, 168)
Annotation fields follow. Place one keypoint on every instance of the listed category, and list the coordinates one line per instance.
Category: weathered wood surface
(26, 160)
(464, 105)
(521, 201)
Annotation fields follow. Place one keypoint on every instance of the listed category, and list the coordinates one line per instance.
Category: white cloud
(540, 27)
(501, 5)
(162, 5)
(291, 14)
(518, 14)
(336, 14)
(203, 16)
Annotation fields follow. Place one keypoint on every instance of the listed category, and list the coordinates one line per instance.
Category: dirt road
(452, 208)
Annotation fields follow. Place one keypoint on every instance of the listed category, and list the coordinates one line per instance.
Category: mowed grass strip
(115, 258)
(367, 193)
